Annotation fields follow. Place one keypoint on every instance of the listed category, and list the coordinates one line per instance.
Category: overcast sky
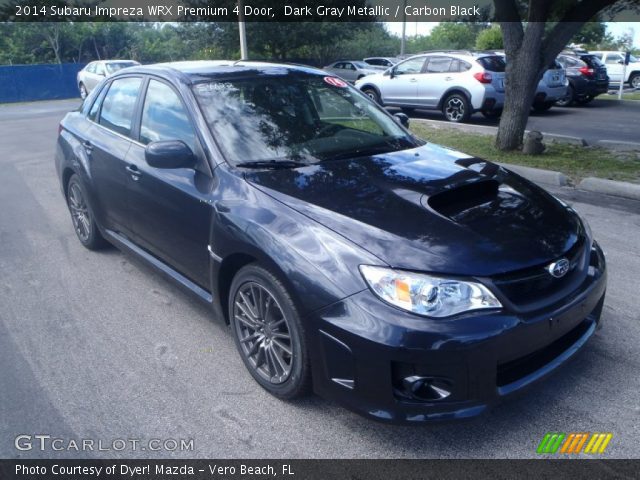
(423, 28)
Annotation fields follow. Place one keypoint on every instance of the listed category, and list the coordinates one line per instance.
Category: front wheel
(634, 81)
(372, 94)
(268, 332)
(567, 100)
(456, 108)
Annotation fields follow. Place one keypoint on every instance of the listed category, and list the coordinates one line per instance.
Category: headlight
(427, 295)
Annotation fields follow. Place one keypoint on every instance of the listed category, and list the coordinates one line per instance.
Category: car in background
(94, 72)
(552, 87)
(384, 62)
(587, 77)
(457, 83)
(614, 61)
(351, 70)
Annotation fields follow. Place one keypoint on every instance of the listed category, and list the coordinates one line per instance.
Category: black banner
(315, 469)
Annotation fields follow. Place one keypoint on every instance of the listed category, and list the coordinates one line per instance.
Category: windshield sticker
(336, 82)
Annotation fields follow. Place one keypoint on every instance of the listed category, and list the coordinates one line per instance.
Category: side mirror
(621, 62)
(169, 154)
(389, 73)
(402, 119)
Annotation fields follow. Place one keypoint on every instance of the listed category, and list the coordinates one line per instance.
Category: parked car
(553, 86)
(95, 72)
(587, 77)
(407, 281)
(351, 70)
(614, 61)
(458, 84)
(384, 62)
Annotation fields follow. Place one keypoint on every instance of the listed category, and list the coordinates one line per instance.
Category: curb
(547, 137)
(610, 187)
(538, 175)
(486, 130)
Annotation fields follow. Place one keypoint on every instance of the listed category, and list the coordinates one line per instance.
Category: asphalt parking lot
(98, 346)
(599, 120)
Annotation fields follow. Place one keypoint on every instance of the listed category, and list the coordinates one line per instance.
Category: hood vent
(462, 199)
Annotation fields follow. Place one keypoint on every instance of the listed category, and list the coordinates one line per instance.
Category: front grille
(535, 287)
(514, 370)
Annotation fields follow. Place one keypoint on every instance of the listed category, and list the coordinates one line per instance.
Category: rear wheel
(456, 108)
(585, 100)
(268, 332)
(83, 91)
(82, 217)
(567, 100)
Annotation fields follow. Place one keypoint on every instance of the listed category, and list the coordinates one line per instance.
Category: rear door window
(438, 64)
(119, 105)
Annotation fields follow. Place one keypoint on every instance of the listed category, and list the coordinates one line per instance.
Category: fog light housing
(426, 389)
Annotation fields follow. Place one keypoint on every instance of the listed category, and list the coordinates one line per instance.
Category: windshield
(115, 66)
(304, 118)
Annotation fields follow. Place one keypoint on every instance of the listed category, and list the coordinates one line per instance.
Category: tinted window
(413, 65)
(592, 61)
(119, 105)
(164, 117)
(376, 62)
(612, 59)
(438, 64)
(93, 113)
(295, 117)
(493, 64)
(100, 69)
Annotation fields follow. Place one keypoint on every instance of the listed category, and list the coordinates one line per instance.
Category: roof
(201, 70)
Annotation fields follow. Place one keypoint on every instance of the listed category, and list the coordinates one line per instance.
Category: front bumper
(368, 353)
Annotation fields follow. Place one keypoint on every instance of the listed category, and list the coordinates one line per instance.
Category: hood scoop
(468, 202)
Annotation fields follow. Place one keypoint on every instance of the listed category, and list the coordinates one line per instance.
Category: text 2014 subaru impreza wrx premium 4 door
(405, 280)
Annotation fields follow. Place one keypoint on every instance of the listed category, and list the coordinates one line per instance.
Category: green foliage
(490, 39)
(449, 36)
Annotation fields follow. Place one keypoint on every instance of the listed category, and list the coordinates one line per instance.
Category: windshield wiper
(365, 152)
(273, 164)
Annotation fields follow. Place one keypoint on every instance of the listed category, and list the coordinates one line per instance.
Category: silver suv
(457, 83)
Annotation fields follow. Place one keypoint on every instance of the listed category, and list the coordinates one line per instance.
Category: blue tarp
(25, 83)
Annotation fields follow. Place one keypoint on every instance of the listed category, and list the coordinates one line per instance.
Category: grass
(625, 96)
(574, 161)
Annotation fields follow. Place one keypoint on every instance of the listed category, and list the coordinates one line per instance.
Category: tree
(591, 34)
(530, 48)
(490, 39)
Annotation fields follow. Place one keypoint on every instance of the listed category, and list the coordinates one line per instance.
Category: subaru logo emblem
(559, 269)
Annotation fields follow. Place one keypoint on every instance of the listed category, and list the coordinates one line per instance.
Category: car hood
(430, 209)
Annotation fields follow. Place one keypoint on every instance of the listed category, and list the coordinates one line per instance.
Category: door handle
(448, 79)
(88, 146)
(134, 172)
(413, 80)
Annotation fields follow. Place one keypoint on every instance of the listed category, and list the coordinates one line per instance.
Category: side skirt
(183, 281)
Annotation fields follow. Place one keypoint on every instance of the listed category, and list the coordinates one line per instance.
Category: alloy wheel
(263, 332)
(454, 109)
(80, 214)
(635, 81)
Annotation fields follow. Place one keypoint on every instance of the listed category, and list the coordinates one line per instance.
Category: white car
(457, 83)
(94, 72)
(351, 70)
(614, 61)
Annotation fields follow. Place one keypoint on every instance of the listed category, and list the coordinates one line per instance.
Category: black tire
(372, 94)
(82, 216)
(83, 91)
(456, 108)
(270, 329)
(584, 100)
(634, 80)
(492, 113)
(408, 110)
(542, 107)
(568, 99)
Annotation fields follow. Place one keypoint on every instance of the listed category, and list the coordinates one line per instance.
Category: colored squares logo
(574, 443)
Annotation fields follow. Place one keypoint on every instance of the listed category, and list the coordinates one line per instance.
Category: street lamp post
(242, 31)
